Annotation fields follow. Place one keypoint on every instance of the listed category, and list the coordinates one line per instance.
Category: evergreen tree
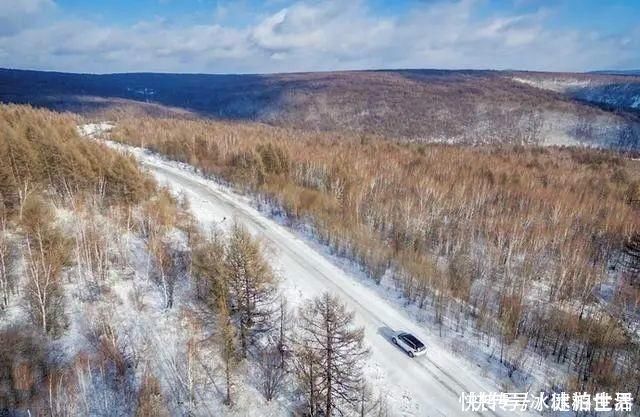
(331, 346)
(227, 342)
(250, 282)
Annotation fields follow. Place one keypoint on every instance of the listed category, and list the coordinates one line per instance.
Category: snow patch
(93, 130)
(557, 85)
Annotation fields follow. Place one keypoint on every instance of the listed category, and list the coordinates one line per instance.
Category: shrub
(23, 367)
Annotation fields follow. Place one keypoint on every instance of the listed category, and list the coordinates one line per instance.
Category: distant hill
(610, 91)
(618, 72)
(418, 105)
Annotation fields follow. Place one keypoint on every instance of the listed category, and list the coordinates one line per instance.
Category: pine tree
(208, 270)
(333, 347)
(226, 335)
(250, 282)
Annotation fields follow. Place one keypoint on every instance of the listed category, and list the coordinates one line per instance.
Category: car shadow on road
(388, 333)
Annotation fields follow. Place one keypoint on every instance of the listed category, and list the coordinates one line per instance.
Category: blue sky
(248, 36)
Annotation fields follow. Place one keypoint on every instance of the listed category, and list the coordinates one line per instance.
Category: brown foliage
(41, 150)
(8, 275)
(250, 284)
(330, 356)
(47, 252)
(22, 368)
(207, 270)
(502, 217)
(151, 402)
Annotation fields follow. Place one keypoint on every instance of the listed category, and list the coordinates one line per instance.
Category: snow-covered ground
(93, 129)
(558, 85)
(426, 386)
(618, 94)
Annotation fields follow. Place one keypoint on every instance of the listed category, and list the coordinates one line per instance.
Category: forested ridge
(519, 243)
(457, 106)
(114, 301)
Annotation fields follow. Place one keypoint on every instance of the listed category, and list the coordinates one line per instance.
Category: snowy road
(426, 386)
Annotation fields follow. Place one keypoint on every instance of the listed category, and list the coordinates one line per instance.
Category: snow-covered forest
(116, 302)
(319, 208)
(524, 247)
(264, 271)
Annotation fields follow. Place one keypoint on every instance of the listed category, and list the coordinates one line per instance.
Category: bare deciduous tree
(308, 372)
(7, 276)
(285, 328)
(92, 245)
(273, 356)
(46, 253)
(171, 264)
(271, 373)
(370, 404)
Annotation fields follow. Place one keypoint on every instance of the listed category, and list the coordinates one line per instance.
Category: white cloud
(16, 15)
(309, 36)
(20, 7)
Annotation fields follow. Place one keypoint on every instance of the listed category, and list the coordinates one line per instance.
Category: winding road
(430, 385)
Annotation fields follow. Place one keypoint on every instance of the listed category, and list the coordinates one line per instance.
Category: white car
(410, 344)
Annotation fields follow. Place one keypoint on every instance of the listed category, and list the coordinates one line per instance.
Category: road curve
(430, 385)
